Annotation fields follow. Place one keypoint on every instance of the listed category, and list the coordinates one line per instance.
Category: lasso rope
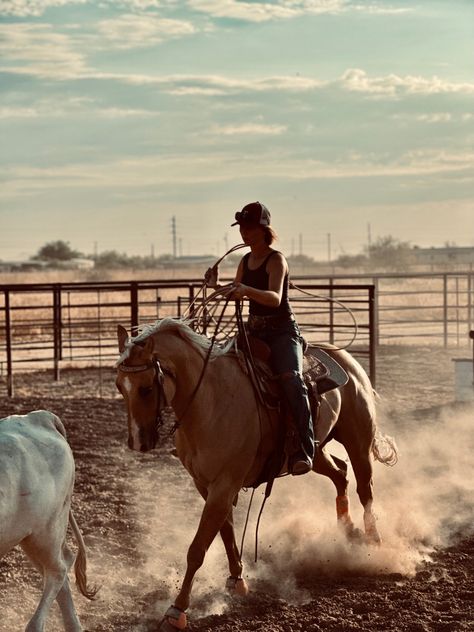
(330, 299)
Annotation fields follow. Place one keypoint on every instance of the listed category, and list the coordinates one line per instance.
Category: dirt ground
(138, 514)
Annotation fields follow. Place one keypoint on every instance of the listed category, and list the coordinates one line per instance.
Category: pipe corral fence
(62, 325)
(423, 308)
(56, 325)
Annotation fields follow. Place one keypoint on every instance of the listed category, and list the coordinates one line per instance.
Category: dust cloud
(424, 502)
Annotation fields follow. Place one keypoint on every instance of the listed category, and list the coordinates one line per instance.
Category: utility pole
(292, 246)
(226, 242)
(301, 243)
(329, 248)
(369, 238)
(173, 233)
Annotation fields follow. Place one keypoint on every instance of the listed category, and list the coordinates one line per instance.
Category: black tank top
(258, 279)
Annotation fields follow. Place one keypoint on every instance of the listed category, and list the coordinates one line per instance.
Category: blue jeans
(286, 346)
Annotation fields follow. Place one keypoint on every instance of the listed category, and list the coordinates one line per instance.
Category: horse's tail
(80, 565)
(384, 449)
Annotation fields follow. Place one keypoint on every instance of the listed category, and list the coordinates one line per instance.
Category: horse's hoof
(373, 538)
(174, 619)
(353, 534)
(237, 586)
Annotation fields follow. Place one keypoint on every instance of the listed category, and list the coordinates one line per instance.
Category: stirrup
(301, 466)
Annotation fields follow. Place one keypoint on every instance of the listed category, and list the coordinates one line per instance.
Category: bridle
(159, 379)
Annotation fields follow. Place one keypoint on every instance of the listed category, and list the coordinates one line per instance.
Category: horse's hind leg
(336, 470)
(362, 466)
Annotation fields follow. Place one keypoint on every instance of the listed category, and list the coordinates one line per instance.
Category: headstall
(159, 378)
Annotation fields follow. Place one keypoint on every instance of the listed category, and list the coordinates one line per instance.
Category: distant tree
(351, 261)
(300, 260)
(56, 251)
(112, 259)
(389, 252)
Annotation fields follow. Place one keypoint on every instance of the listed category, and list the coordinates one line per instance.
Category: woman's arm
(277, 268)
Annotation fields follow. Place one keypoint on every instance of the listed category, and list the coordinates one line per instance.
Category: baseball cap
(254, 213)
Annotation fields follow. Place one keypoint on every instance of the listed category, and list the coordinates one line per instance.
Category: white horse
(36, 485)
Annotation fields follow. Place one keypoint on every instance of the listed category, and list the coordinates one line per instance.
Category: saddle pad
(334, 375)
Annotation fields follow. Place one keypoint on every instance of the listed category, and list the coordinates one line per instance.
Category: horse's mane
(173, 325)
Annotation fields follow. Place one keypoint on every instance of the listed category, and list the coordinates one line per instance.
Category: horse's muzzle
(144, 443)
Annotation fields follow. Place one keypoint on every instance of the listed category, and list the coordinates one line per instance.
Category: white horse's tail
(384, 449)
(80, 565)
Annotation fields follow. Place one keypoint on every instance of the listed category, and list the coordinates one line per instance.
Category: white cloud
(142, 5)
(35, 8)
(378, 9)
(435, 117)
(40, 51)
(285, 9)
(135, 31)
(30, 8)
(216, 84)
(186, 169)
(233, 9)
(357, 80)
(72, 108)
(249, 129)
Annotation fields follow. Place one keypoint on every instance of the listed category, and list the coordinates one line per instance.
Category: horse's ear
(122, 336)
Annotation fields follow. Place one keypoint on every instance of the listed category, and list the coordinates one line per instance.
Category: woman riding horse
(262, 277)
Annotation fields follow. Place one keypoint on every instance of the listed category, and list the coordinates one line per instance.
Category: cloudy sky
(117, 115)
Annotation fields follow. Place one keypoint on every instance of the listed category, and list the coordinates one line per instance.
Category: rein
(252, 371)
(201, 377)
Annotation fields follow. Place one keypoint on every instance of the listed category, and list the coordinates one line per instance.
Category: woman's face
(251, 234)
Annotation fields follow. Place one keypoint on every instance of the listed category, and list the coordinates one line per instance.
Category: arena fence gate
(46, 326)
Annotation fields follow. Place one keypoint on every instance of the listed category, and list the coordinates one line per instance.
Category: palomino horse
(224, 437)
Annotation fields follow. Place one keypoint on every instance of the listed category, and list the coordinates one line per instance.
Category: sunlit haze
(344, 117)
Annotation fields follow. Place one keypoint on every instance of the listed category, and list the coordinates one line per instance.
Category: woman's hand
(212, 277)
(238, 291)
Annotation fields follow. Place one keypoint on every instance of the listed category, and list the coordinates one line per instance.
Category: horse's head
(140, 381)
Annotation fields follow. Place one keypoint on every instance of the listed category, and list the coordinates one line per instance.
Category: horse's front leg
(235, 582)
(216, 511)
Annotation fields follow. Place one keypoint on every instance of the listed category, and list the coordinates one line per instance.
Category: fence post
(372, 337)
(134, 304)
(375, 281)
(56, 330)
(331, 311)
(445, 310)
(8, 341)
(469, 302)
(192, 311)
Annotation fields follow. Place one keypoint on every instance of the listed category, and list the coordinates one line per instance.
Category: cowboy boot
(296, 396)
